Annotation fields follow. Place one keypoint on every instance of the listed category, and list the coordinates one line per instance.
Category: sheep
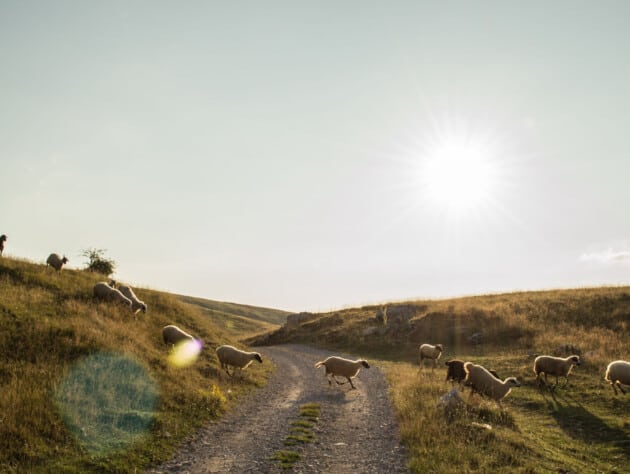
(56, 261)
(342, 367)
(617, 373)
(173, 335)
(429, 351)
(558, 366)
(105, 292)
(3, 239)
(238, 359)
(484, 383)
(136, 304)
(456, 372)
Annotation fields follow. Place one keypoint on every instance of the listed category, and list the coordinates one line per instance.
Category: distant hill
(521, 318)
(86, 387)
(233, 311)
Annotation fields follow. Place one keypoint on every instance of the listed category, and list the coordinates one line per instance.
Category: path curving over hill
(356, 432)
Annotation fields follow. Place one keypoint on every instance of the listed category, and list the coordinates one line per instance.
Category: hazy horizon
(309, 157)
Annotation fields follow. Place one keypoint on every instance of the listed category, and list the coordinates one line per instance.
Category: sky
(310, 156)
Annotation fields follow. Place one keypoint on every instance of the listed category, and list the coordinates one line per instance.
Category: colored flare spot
(185, 353)
(107, 401)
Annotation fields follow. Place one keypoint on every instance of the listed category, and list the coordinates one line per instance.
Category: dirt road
(356, 432)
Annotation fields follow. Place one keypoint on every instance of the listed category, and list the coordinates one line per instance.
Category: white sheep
(56, 261)
(238, 359)
(432, 352)
(173, 335)
(136, 304)
(484, 383)
(617, 373)
(558, 366)
(3, 239)
(343, 367)
(105, 292)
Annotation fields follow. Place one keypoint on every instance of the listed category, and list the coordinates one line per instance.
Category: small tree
(97, 262)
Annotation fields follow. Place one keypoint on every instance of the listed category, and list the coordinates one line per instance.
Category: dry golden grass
(578, 428)
(85, 386)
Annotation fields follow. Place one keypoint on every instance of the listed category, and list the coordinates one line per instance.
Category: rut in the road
(356, 432)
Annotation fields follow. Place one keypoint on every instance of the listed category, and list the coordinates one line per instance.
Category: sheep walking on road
(238, 359)
(618, 373)
(431, 352)
(136, 304)
(3, 239)
(558, 366)
(483, 382)
(342, 367)
(56, 261)
(103, 291)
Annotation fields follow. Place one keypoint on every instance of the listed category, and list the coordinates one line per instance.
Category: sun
(457, 173)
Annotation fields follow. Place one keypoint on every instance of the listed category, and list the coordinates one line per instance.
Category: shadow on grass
(579, 423)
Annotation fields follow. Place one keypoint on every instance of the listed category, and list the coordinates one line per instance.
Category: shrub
(97, 261)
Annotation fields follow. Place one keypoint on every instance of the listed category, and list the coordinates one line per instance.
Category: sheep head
(512, 382)
(257, 357)
(575, 360)
(365, 364)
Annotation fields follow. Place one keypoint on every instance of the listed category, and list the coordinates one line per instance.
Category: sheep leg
(227, 371)
(618, 384)
(338, 382)
(351, 384)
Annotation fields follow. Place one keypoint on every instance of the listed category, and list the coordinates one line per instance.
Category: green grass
(300, 433)
(286, 458)
(85, 386)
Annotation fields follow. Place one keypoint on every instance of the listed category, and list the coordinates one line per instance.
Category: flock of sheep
(487, 382)
(172, 335)
(480, 380)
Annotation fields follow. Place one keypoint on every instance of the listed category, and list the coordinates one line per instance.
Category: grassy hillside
(86, 387)
(240, 318)
(578, 428)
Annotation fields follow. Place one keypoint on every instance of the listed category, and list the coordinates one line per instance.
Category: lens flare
(185, 353)
(107, 401)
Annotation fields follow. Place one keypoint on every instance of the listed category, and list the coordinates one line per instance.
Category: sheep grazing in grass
(456, 372)
(238, 359)
(56, 261)
(136, 304)
(3, 239)
(618, 373)
(103, 291)
(558, 366)
(483, 382)
(172, 335)
(432, 352)
(343, 368)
